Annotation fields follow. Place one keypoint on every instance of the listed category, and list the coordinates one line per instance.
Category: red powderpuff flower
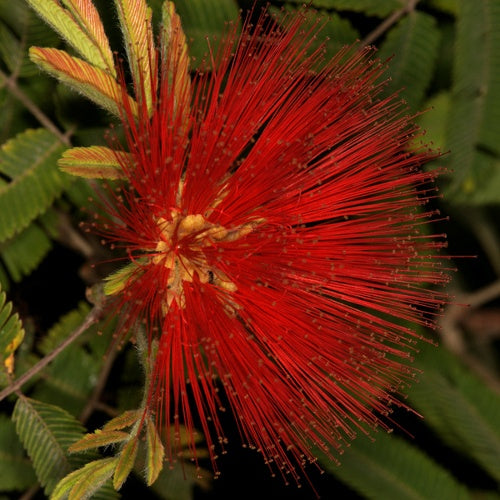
(274, 216)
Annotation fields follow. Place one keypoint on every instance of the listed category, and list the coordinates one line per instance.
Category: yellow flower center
(180, 249)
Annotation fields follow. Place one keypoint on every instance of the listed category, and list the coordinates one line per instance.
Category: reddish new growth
(276, 224)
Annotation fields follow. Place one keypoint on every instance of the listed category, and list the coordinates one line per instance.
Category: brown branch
(387, 23)
(453, 337)
(90, 319)
(93, 401)
(11, 84)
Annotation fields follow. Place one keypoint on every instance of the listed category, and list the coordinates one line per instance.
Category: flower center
(180, 249)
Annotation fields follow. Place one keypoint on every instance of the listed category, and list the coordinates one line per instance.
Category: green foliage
(85, 37)
(474, 119)
(20, 28)
(462, 411)
(336, 31)
(70, 378)
(11, 335)
(392, 468)
(23, 253)
(433, 120)
(46, 432)
(16, 472)
(202, 19)
(445, 54)
(380, 8)
(412, 44)
(84, 483)
(29, 163)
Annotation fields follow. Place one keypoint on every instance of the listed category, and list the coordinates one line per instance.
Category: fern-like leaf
(83, 483)
(379, 8)
(175, 55)
(205, 18)
(392, 468)
(464, 412)
(22, 254)
(135, 21)
(16, 472)
(11, 335)
(46, 432)
(413, 43)
(86, 15)
(155, 452)
(95, 162)
(97, 439)
(84, 35)
(94, 83)
(29, 160)
(474, 120)
(19, 29)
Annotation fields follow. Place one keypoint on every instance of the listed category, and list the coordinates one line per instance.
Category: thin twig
(453, 337)
(387, 23)
(90, 319)
(99, 387)
(11, 84)
(28, 495)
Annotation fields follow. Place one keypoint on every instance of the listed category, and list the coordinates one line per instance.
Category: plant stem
(387, 23)
(90, 319)
(11, 84)
(99, 387)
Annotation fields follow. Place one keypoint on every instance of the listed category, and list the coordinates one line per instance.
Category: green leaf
(336, 31)
(448, 6)
(126, 462)
(16, 472)
(95, 162)
(97, 439)
(70, 378)
(126, 419)
(29, 161)
(205, 18)
(474, 119)
(379, 8)
(392, 468)
(83, 483)
(414, 43)
(93, 47)
(155, 452)
(63, 328)
(19, 29)
(46, 432)
(433, 121)
(24, 252)
(116, 281)
(135, 22)
(93, 82)
(462, 410)
(11, 334)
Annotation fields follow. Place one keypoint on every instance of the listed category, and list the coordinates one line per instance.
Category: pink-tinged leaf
(86, 15)
(97, 439)
(96, 162)
(126, 419)
(155, 452)
(75, 34)
(175, 57)
(125, 463)
(92, 82)
(135, 21)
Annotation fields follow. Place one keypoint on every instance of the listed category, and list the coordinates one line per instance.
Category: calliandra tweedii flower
(273, 212)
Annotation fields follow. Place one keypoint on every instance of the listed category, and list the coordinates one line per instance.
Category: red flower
(275, 220)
